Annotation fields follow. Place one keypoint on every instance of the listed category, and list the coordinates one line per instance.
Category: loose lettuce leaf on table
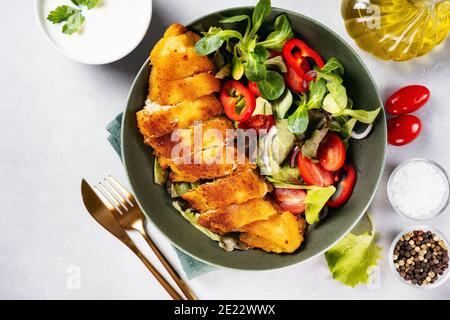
(351, 258)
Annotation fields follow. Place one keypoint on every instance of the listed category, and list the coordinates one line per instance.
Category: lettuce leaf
(363, 116)
(287, 175)
(351, 258)
(315, 200)
(316, 197)
(336, 101)
(193, 219)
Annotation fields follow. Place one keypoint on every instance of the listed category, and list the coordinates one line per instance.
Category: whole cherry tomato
(331, 152)
(407, 100)
(253, 87)
(313, 173)
(403, 129)
(292, 200)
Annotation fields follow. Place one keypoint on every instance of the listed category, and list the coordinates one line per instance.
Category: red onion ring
(305, 84)
(294, 155)
(362, 135)
(312, 73)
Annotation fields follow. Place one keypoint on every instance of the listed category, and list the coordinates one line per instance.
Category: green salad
(296, 100)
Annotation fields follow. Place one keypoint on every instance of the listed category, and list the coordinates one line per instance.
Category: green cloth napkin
(192, 267)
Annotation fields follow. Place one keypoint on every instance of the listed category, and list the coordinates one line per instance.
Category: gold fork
(95, 204)
(127, 212)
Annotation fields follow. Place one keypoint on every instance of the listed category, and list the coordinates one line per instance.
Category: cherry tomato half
(403, 129)
(253, 87)
(313, 173)
(292, 200)
(238, 101)
(258, 122)
(294, 81)
(331, 152)
(345, 182)
(407, 100)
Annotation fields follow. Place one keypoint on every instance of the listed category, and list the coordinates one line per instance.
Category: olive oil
(397, 29)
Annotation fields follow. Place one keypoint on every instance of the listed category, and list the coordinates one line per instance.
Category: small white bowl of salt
(419, 189)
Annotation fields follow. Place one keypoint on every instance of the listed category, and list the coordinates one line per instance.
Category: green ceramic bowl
(367, 155)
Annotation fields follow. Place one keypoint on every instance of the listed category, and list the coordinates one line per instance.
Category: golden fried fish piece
(280, 233)
(234, 217)
(174, 55)
(189, 88)
(207, 164)
(178, 72)
(234, 189)
(158, 121)
(203, 135)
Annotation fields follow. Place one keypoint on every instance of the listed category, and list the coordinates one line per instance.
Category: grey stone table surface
(53, 114)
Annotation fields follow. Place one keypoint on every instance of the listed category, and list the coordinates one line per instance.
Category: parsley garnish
(73, 17)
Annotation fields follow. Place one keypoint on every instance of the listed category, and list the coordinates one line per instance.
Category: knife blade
(101, 213)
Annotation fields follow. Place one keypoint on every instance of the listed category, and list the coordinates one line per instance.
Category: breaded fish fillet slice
(175, 58)
(236, 189)
(153, 124)
(204, 135)
(210, 163)
(236, 216)
(190, 88)
(280, 233)
(195, 172)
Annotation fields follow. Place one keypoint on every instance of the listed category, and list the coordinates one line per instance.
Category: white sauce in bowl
(111, 30)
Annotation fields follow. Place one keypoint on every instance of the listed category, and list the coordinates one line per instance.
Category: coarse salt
(419, 189)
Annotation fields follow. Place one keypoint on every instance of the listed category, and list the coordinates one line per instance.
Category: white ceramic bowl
(441, 279)
(110, 32)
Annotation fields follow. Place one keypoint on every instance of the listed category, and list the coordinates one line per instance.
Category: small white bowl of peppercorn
(419, 257)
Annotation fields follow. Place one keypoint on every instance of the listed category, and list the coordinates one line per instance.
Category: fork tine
(122, 190)
(103, 199)
(109, 197)
(119, 198)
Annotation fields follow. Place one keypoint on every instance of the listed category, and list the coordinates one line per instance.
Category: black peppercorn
(420, 257)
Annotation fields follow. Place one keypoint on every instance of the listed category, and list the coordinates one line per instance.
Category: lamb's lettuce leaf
(317, 93)
(298, 121)
(271, 86)
(282, 105)
(282, 33)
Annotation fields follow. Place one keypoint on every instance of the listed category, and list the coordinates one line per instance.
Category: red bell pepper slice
(294, 81)
(295, 51)
(253, 87)
(238, 101)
